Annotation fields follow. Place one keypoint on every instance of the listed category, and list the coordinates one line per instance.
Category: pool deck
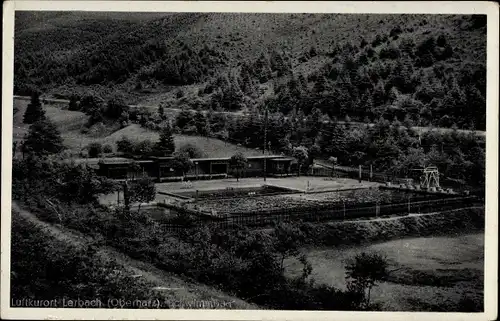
(303, 183)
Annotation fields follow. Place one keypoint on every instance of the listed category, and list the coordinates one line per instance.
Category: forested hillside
(423, 69)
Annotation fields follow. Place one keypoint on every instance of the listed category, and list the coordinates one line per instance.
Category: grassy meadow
(70, 123)
(427, 270)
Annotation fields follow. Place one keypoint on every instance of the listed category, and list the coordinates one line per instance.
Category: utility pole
(360, 173)
(265, 142)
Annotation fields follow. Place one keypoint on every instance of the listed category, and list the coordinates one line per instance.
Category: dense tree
(239, 162)
(287, 241)
(184, 119)
(141, 191)
(81, 184)
(116, 106)
(182, 163)
(140, 57)
(90, 104)
(261, 68)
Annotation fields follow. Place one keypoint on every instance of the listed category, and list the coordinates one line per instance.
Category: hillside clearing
(67, 121)
(70, 124)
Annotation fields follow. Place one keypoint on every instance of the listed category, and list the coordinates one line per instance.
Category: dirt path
(174, 289)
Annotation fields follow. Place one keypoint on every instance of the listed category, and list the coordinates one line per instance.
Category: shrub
(141, 191)
(395, 32)
(192, 150)
(389, 52)
(124, 145)
(189, 130)
(364, 271)
(182, 163)
(377, 41)
(107, 149)
(144, 148)
(94, 149)
(98, 130)
(150, 125)
(363, 43)
(441, 40)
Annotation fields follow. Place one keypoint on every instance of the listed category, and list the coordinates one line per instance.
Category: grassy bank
(50, 262)
(46, 267)
(363, 231)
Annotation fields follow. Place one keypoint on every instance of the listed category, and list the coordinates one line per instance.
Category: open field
(210, 146)
(67, 121)
(455, 261)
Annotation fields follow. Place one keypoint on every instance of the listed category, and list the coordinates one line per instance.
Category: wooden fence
(348, 172)
(327, 213)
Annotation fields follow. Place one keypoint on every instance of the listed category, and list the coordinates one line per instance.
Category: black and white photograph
(163, 160)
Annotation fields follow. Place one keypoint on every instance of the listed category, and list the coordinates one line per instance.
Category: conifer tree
(43, 139)
(161, 112)
(294, 87)
(34, 112)
(302, 82)
(321, 85)
(379, 94)
(262, 68)
(73, 103)
(200, 122)
(166, 145)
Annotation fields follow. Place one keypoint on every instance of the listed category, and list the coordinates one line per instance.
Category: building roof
(265, 156)
(126, 161)
(283, 159)
(229, 158)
